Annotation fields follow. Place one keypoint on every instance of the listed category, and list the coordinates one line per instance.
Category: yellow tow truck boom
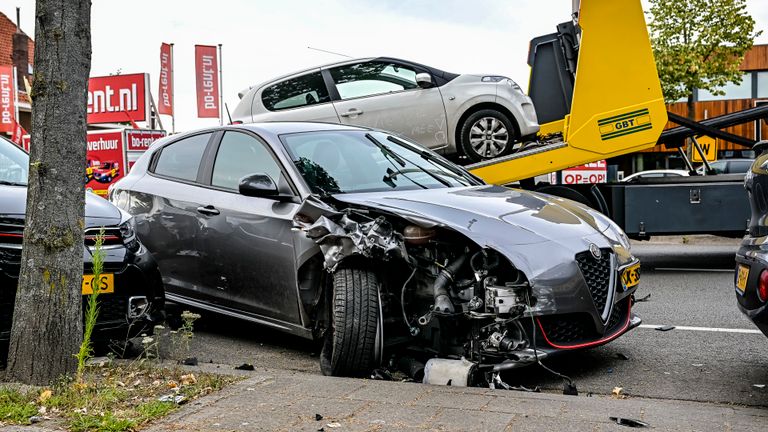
(617, 105)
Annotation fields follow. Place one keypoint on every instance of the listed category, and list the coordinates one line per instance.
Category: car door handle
(208, 210)
(352, 112)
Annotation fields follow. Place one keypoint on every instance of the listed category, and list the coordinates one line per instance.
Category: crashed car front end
(475, 281)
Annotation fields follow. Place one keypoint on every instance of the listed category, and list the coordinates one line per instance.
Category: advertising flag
(7, 99)
(118, 98)
(165, 92)
(207, 73)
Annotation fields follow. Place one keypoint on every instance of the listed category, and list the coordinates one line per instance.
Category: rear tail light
(762, 287)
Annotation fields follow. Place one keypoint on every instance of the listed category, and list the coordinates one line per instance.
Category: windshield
(14, 164)
(334, 162)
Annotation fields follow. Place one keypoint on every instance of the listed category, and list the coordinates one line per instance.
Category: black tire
(492, 149)
(349, 348)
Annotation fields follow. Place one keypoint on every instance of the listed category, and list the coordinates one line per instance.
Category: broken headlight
(128, 234)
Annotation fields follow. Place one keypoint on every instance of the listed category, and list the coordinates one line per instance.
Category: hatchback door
(249, 243)
(384, 95)
(301, 98)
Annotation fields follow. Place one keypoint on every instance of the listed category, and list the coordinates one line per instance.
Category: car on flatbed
(476, 115)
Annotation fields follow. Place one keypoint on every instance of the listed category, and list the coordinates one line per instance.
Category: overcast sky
(262, 39)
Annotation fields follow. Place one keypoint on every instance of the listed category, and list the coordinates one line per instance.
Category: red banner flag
(206, 70)
(18, 134)
(165, 92)
(7, 99)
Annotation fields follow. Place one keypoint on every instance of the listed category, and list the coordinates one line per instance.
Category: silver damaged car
(382, 252)
(480, 116)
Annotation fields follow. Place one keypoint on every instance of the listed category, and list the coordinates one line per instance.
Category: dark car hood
(537, 232)
(523, 217)
(98, 211)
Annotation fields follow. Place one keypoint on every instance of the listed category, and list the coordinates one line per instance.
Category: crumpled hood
(13, 201)
(536, 232)
(519, 217)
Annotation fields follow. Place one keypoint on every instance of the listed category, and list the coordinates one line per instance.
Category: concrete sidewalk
(278, 400)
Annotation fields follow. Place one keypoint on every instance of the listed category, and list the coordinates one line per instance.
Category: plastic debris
(643, 299)
(35, 419)
(177, 399)
(318, 417)
(628, 422)
(245, 367)
(44, 395)
(189, 361)
(665, 328)
(617, 391)
(381, 374)
(760, 386)
(569, 389)
(333, 425)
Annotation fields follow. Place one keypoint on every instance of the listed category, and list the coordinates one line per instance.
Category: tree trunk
(47, 320)
(690, 106)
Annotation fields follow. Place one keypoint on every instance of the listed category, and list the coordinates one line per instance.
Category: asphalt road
(700, 365)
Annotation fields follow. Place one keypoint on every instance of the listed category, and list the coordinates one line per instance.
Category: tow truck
(597, 95)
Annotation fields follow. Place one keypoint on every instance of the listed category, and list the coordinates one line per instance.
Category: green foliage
(15, 407)
(92, 310)
(699, 44)
(102, 423)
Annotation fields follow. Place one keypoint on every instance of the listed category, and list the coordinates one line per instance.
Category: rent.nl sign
(118, 98)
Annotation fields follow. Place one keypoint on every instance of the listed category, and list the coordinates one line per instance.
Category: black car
(751, 278)
(378, 248)
(128, 306)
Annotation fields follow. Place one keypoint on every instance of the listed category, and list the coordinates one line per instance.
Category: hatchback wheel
(349, 347)
(488, 134)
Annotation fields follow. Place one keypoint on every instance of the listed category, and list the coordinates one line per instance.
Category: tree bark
(690, 107)
(47, 321)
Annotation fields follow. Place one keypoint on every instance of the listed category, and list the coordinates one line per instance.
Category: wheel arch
(475, 108)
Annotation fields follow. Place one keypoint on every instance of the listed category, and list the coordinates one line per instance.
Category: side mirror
(258, 185)
(424, 80)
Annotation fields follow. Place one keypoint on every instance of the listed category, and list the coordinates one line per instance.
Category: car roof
(439, 72)
(287, 127)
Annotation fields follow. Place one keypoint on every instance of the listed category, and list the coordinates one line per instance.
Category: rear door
(384, 95)
(249, 242)
(165, 203)
(301, 98)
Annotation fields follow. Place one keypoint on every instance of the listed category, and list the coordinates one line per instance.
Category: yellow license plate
(106, 285)
(741, 277)
(630, 276)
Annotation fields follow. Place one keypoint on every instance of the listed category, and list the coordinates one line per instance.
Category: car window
(181, 159)
(240, 155)
(740, 166)
(13, 163)
(651, 175)
(305, 90)
(371, 78)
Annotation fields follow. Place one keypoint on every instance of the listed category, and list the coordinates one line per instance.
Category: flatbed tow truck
(597, 95)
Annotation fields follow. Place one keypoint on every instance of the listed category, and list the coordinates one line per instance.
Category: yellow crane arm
(617, 106)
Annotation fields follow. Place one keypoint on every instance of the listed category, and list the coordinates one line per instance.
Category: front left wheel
(349, 346)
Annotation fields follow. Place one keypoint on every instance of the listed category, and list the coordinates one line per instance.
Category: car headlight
(617, 234)
(128, 234)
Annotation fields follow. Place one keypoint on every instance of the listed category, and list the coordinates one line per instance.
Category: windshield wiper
(427, 156)
(11, 183)
(386, 150)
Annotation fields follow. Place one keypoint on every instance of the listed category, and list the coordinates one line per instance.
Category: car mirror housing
(424, 80)
(258, 185)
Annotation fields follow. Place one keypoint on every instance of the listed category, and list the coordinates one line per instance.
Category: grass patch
(110, 399)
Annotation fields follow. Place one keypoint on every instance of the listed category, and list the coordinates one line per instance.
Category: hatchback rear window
(305, 90)
(181, 159)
